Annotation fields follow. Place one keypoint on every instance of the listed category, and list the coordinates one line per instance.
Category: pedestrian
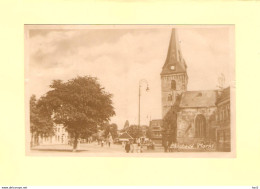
(138, 148)
(110, 141)
(127, 147)
(102, 143)
(132, 147)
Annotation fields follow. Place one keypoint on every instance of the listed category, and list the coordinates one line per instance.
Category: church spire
(174, 62)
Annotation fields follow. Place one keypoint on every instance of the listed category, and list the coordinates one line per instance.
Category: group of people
(137, 146)
(133, 147)
(108, 142)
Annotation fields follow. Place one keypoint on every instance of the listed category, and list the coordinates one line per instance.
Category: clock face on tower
(172, 67)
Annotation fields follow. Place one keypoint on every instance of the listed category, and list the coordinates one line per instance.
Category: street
(85, 148)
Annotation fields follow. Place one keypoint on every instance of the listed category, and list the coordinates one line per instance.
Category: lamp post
(142, 81)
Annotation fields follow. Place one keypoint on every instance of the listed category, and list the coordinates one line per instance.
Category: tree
(112, 129)
(169, 127)
(41, 123)
(106, 129)
(135, 131)
(80, 104)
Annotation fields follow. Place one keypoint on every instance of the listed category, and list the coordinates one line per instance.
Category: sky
(121, 57)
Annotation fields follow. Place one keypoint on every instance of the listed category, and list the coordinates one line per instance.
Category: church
(201, 116)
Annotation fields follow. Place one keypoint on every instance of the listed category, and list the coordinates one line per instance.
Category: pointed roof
(174, 57)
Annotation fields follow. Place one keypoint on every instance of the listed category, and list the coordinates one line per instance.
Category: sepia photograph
(130, 90)
(128, 93)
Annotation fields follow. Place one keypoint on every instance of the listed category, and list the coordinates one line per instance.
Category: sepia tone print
(126, 90)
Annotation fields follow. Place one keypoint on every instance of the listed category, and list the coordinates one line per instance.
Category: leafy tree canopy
(169, 127)
(80, 104)
(135, 131)
(41, 123)
(112, 129)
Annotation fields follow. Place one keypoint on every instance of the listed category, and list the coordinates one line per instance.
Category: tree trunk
(75, 143)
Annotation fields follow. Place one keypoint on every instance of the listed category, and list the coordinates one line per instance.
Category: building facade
(223, 132)
(195, 111)
(60, 136)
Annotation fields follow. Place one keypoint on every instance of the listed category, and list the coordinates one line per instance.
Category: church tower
(174, 78)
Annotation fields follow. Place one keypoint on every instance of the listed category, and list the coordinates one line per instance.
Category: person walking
(132, 147)
(138, 148)
(110, 141)
(127, 147)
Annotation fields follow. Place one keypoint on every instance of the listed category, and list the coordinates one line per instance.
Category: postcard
(130, 90)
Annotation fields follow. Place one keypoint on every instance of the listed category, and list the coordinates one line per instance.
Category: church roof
(198, 99)
(174, 57)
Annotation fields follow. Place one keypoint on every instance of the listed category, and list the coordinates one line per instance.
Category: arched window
(200, 126)
(173, 85)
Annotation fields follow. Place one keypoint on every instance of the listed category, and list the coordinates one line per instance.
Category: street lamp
(142, 81)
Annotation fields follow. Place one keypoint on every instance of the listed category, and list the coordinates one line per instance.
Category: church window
(200, 126)
(173, 85)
